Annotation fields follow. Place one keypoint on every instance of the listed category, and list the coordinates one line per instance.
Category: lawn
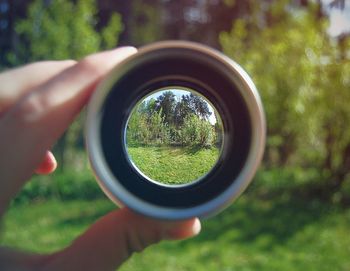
(253, 234)
(174, 165)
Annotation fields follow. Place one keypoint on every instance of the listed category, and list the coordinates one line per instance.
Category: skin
(37, 104)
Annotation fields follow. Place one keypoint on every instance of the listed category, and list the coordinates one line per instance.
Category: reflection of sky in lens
(178, 93)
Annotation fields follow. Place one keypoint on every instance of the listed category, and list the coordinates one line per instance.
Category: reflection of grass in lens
(174, 165)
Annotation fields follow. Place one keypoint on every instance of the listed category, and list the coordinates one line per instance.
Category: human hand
(37, 104)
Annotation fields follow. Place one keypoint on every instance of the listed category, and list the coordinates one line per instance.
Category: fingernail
(184, 231)
(196, 228)
(118, 54)
(128, 50)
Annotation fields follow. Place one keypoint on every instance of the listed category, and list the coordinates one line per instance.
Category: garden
(294, 216)
(174, 139)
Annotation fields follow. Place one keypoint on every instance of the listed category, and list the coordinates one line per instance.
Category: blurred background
(295, 215)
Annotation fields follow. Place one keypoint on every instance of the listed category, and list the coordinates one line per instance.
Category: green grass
(174, 165)
(282, 233)
(50, 225)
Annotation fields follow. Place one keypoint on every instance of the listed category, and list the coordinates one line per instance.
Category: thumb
(113, 239)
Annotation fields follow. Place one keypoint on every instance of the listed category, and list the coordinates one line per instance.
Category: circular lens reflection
(174, 136)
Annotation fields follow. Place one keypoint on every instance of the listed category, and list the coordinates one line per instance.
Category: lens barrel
(187, 65)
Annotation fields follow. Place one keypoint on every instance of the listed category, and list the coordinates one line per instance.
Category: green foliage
(302, 75)
(147, 129)
(145, 22)
(167, 121)
(158, 128)
(198, 105)
(137, 128)
(61, 186)
(63, 30)
(197, 131)
(110, 34)
(281, 71)
(166, 103)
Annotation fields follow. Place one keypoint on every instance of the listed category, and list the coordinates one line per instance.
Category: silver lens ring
(189, 65)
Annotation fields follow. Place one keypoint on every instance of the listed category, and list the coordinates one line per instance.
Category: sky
(339, 18)
(178, 93)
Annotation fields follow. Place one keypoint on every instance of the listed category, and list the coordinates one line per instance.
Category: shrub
(196, 131)
(66, 186)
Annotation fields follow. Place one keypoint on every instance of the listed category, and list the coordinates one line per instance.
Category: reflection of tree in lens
(174, 138)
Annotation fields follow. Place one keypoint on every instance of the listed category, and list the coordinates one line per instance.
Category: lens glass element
(174, 136)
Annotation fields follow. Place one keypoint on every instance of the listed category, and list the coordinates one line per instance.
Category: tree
(158, 129)
(182, 110)
(148, 125)
(147, 107)
(62, 29)
(166, 103)
(281, 72)
(331, 113)
(199, 106)
(197, 132)
(137, 128)
(303, 77)
(191, 104)
(145, 22)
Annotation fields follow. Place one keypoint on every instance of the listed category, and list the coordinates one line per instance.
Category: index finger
(15, 83)
(36, 122)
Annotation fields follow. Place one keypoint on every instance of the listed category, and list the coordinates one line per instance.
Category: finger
(31, 127)
(47, 165)
(17, 82)
(112, 239)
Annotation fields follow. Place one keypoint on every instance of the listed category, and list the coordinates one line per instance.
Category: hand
(37, 103)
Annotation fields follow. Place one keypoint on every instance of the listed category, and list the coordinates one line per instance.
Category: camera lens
(175, 131)
(174, 136)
